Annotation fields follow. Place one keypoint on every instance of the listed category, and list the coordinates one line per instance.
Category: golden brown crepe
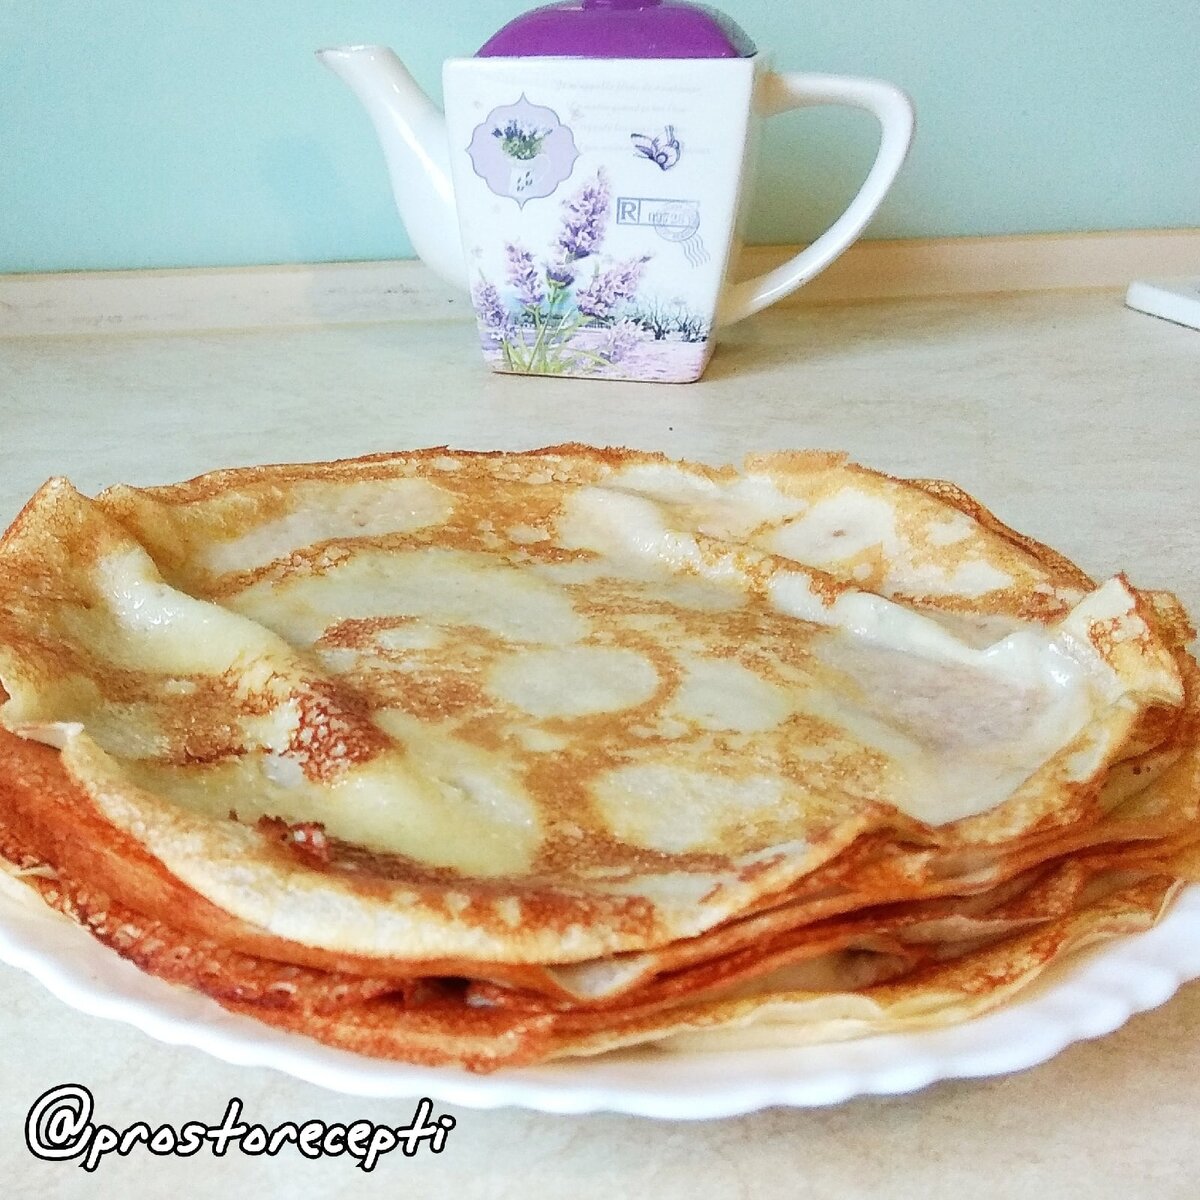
(487, 758)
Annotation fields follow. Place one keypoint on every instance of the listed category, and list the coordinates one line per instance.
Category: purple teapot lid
(620, 29)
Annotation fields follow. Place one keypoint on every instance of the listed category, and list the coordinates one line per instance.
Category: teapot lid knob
(620, 29)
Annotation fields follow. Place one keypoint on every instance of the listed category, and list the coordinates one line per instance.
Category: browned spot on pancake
(1104, 635)
(433, 683)
(605, 857)
(202, 725)
(1045, 607)
(360, 633)
(426, 691)
(307, 840)
(334, 732)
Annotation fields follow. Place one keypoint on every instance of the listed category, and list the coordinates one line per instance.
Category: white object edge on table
(1176, 300)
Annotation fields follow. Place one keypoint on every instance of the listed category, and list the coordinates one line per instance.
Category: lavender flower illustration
(520, 141)
(623, 338)
(523, 276)
(560, 274)
(490, 309)
(584, 220)
(558, 315)
(608, 289)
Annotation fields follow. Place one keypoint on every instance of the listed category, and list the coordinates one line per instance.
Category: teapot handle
(894, 111)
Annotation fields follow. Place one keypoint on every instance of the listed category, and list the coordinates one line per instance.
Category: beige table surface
(1076, 420)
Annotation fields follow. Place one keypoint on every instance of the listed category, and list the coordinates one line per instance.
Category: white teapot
(586, 181)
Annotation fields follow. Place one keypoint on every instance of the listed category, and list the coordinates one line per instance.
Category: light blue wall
(137, 133)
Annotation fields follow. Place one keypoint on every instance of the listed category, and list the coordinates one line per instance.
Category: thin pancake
(494, 758)
(550, 707)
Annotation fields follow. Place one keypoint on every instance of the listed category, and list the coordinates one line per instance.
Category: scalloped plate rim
(1094, 995)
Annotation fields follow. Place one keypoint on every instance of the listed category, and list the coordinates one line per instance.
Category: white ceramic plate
(1087, 997)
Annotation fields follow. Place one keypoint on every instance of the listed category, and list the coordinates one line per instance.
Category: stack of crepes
(490, 759)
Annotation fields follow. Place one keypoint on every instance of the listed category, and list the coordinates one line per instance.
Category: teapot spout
(412, 133)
